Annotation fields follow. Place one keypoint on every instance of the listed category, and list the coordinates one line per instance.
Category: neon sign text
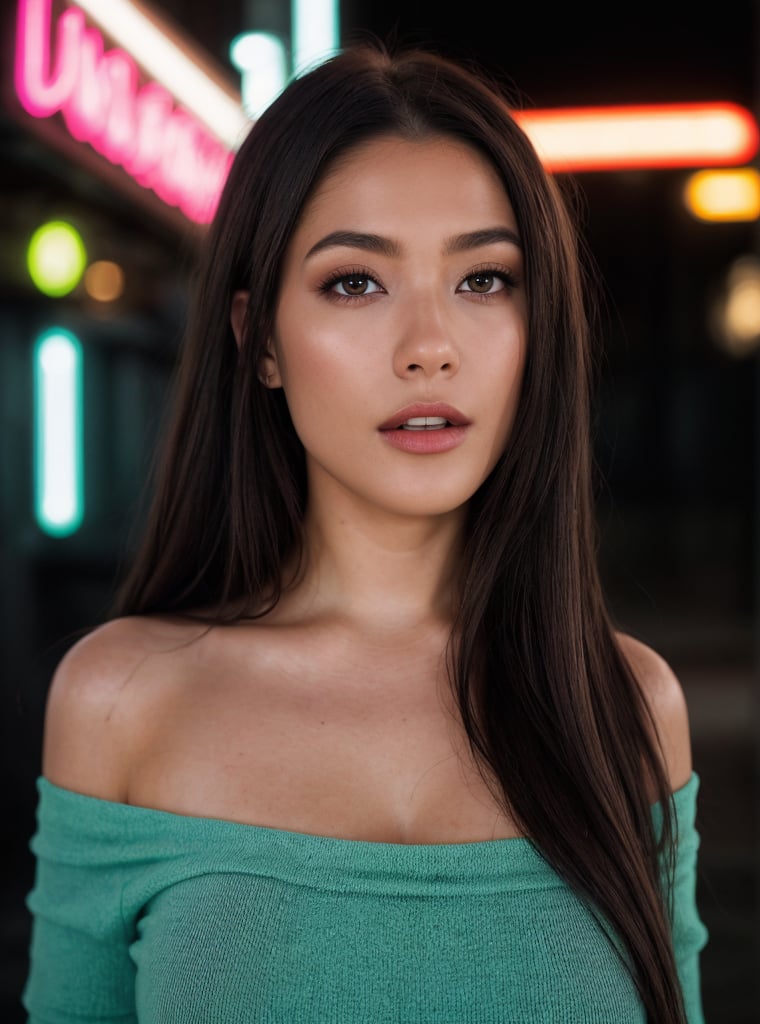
(136, 127)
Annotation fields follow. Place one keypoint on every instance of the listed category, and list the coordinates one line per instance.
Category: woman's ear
(269, 374)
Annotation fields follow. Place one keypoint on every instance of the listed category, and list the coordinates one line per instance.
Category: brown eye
(487, 281)
(356, 284)
(481, 282)
(353, 285)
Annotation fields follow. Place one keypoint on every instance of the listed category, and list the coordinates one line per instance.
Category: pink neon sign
(138, 128)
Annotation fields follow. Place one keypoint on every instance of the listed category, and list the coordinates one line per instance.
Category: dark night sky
(554, 54)
(571, 53)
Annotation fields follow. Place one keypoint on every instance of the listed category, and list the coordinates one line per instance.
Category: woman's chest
(368, 751)
(371, 948)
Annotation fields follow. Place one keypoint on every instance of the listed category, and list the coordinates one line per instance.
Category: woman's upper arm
(89, 731)
(667, 704)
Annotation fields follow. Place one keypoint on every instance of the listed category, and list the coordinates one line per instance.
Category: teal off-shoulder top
(146, 916)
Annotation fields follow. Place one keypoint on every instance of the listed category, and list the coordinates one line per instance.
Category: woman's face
(402, 301)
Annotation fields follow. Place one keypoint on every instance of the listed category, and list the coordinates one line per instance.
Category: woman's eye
(355, 284)
(483, 283)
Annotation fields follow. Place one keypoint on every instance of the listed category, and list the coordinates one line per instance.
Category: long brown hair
(553, 713)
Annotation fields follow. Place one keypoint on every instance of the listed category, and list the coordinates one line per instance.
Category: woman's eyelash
(505, 274)
(344, 275)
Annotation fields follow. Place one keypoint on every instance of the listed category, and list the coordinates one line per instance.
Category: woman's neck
(377, 571)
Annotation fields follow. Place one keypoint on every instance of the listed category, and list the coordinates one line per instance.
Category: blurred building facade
(65, 166)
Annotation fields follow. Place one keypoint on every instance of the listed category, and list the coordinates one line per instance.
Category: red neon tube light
(663, 135)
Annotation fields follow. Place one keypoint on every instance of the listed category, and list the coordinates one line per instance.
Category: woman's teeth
(424, 423)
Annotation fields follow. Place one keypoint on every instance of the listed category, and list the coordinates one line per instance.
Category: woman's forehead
(396, 185)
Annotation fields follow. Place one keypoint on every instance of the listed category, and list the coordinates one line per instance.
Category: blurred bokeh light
(56, 258)
(724, 195)
(104, 281)
(736, 317)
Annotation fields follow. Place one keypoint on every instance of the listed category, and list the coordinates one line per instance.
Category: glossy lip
(426, 442)
(447, 412)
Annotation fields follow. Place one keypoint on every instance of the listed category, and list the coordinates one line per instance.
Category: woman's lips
(426, 442)
(429, 440)
(432, 409)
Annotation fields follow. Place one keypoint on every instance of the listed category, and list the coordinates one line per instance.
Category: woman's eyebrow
(485, 236)
(389, 247)
(356, 240)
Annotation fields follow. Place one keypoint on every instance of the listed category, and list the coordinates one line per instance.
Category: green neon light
(315, 32)
(260, 58)
(58, 433)
(56, 258)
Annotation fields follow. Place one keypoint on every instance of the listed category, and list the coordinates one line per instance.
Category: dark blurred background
(676, 417)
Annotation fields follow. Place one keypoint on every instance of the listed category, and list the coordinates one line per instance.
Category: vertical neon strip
(315, 32)
(58, 440)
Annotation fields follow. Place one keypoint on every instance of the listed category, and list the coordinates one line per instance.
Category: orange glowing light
(725, 195)
(630, 137)
(104, 281)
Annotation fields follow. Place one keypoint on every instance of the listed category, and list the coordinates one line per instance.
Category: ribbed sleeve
(141, 915)
(80, 964)
(689, 933)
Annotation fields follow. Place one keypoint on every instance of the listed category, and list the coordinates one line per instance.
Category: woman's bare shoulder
(95, 716)
(667, 703)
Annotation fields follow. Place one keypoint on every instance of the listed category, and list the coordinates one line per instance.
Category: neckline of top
(680, 799)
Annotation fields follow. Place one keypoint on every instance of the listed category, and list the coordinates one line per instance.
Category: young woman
(360, 742)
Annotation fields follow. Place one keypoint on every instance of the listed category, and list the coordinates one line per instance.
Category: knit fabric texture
(146, 916)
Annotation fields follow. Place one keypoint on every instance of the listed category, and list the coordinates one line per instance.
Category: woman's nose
(426, 347)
